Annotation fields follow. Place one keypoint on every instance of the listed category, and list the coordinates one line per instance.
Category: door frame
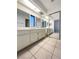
(59, 12)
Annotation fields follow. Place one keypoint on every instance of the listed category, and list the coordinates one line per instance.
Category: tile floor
(48, 48)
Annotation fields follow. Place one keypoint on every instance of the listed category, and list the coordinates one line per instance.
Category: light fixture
(31, 6)
(46, 17)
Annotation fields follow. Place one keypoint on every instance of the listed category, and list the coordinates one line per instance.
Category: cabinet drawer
(22, 41)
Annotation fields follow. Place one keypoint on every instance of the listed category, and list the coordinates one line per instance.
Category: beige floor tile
(49, 48)
(46, 39)
(57, 52)
(55, 57)
(58, 41)
(41, 43)
(52, 42)
(52, 39)
(58, 45)
(33, 58)
(43, 54)
(55, 35)
(25, 55)
(34, 49)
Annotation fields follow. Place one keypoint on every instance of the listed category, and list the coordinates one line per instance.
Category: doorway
(56, 26)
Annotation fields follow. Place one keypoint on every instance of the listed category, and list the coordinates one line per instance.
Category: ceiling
(50, 6)
(47, 6)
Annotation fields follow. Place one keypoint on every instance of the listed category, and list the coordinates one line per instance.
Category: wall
(55, 16)
(27, 10)
(52, 24)
(21, 16)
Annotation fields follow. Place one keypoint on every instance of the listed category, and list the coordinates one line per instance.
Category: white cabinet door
(23, 40)
(41, 33)
(34, 36)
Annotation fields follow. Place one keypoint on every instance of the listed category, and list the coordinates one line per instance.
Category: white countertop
(28, 28)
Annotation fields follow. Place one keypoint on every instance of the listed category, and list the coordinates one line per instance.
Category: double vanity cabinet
(27, 36)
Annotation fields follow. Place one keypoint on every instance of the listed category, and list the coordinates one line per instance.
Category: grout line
(39, 48)
(58, 57)
(37, 51)
(54, 37)
(32, 55)
(54, 47)
(47, 50)
(53, 50)
(44, 48)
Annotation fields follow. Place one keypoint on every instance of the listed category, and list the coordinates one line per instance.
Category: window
(32, 21)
